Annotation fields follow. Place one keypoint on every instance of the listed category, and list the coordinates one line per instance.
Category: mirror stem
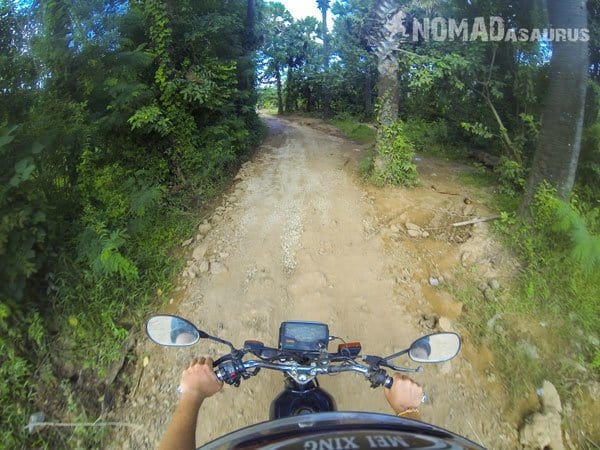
(221, 341)
(395, 355)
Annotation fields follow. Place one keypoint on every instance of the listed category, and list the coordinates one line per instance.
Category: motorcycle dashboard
(303, 336)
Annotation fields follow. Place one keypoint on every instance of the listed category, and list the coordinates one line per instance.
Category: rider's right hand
(404, 394)
(199, 381)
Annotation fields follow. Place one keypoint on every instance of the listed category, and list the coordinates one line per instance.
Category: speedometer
(303, 336)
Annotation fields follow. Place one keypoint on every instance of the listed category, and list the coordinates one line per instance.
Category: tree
(246, 65)
(557, 154)
(390, 18)
(277, 21)
(324, 8)
(357, 71)
(301, 55)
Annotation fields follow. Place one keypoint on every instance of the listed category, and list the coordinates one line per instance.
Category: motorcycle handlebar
(230, 371)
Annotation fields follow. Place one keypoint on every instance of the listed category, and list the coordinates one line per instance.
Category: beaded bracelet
(407, 411)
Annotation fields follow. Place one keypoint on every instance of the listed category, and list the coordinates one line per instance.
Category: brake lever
(403, 369)
(373, 360)
(377, 361)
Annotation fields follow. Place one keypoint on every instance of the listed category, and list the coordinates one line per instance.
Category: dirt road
(299, 237)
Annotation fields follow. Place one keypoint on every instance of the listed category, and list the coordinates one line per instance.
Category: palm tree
(390, 19)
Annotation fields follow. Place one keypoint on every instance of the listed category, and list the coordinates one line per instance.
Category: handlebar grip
(389, 382)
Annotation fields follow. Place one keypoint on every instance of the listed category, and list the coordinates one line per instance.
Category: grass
(479, 177)
(355, 130)
(513, 321)
(551, 305)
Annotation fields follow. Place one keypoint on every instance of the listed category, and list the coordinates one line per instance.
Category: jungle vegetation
(120, 118)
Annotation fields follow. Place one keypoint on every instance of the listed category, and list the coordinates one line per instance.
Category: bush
(394, 160)
(562, 257)
(434, 138)
(589, 165)
(355, 130)
(511, 177)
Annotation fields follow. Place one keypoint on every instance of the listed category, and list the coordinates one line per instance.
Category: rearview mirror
(435, 348)
(172, 331)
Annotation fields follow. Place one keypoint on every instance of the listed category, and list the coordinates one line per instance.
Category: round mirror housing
(435, 348)
(172, 331)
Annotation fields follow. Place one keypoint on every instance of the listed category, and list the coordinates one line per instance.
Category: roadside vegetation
(120, 119)
(357, 131)
(117, 122)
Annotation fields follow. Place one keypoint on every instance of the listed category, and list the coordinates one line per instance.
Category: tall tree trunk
(557, 154)
(288, 88)
(324, 7)
(392, 23)
(310, 102)
(279, 96)
(388, 90)
(368, 88)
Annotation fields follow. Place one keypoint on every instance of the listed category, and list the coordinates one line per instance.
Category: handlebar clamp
(231, 371)
(378, 377)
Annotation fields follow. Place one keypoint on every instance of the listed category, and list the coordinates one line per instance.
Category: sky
(303, 8)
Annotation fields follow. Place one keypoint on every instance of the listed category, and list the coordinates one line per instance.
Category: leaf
(6, 140)
(23, 170)
(145, 361)
(37, 148)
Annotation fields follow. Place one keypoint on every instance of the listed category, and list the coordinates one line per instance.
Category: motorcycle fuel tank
(296, 400)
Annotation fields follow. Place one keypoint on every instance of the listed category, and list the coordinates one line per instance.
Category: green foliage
(477, 129)
(129, 114)
(354, 129)
(150, 118)
(511, 177)
(589, 166)
(562, 258)
(366, 165)
(560, 221)
(15, 390)
(23, 212)
(102, 252)
(596, 361)
(550, 302)
(394, 161)
(267, 98)
(433, 138)
(115, 301)
(478, 176)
